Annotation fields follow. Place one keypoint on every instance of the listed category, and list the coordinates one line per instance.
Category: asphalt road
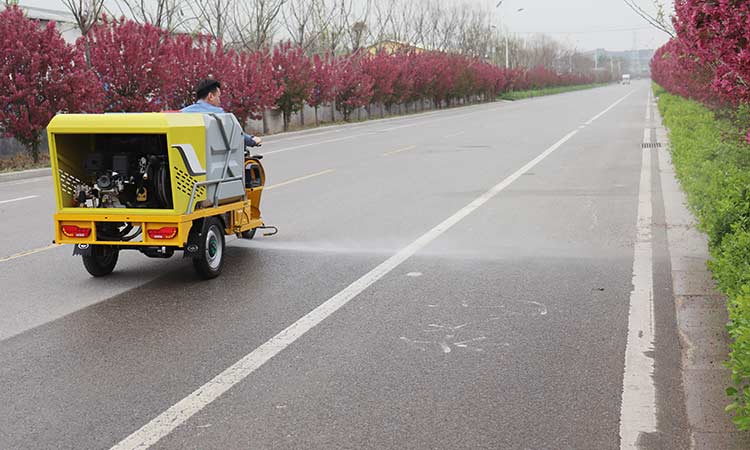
(505, 329)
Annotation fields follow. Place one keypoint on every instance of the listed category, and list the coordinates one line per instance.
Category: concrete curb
(701, 315)
(24, 174)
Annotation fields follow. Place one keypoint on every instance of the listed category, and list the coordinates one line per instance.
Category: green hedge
(712, 161)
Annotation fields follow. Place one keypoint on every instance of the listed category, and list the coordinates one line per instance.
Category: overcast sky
(585, 24)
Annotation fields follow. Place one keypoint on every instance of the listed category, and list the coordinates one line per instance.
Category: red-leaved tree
(354, 87)
(249, 87)
(403, 84)
(40, 75)
(325, 79)
(132, 63)
(383, 71)
(292, 71)
(190, 61)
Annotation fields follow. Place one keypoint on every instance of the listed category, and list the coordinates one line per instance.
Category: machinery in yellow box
(153, 182)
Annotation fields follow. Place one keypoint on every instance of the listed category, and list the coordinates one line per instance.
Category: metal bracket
(268, 227)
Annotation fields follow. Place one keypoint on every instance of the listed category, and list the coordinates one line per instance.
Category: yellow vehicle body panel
(71, 136)
(78, 130)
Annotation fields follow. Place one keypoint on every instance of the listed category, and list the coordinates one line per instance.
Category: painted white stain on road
(183, 410)
(447, 341)
(541, 309)
(638, 409)
(414, 274)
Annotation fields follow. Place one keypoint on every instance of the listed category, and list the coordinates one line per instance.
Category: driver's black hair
(205, 87)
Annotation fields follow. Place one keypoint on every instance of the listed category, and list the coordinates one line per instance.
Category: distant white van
(626, 78)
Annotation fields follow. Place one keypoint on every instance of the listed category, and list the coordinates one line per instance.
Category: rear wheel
(101, 260)
(249, 234)
(210, 258)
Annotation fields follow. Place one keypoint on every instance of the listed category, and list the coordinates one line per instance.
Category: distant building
(64, 21)
(637, 62)
(391, 46)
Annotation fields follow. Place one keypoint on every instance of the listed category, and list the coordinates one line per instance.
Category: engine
(125, 180)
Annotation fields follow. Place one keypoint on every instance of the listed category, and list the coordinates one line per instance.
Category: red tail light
(74, 231)
(163, 233)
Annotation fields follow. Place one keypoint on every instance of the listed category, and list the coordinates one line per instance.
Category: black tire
(102, 260)
(249, 234)
(210, 258)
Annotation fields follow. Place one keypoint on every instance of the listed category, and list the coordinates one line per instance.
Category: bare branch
(658, 20)
(85, 12)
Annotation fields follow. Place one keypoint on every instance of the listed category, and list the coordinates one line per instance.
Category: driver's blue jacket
(202, 106)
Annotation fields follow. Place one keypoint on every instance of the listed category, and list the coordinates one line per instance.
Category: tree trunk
(317, 122)
(286, 116)
(35, 151)
(302, 115)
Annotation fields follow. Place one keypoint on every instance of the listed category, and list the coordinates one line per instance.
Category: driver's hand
(258, 141)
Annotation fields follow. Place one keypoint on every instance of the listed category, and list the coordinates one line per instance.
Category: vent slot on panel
(185, 183)
(68, 183)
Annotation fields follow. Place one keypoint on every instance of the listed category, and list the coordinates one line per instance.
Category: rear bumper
(237, 218)
(146, 223)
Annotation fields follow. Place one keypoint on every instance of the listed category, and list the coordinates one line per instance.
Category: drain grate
(651, 145)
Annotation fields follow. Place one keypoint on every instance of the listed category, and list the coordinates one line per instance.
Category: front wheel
(101, 260)
(210, 258)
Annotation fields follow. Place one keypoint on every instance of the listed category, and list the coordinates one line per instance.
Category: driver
(208, 95)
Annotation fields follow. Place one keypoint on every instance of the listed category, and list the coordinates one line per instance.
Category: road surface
(461, 279)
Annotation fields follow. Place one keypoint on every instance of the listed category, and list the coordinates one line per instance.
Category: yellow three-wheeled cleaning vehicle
(153, 182)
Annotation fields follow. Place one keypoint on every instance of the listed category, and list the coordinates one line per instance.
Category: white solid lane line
(183, 410)
(638, 408)
(28, 197)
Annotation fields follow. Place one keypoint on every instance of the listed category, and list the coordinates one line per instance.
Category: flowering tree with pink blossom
(250, 86)
(40, 75)
(292, 69)
(324, 80)
(132, 62)
(354, 88)
(190, 61)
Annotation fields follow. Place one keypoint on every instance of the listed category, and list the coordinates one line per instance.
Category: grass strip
(712, 162)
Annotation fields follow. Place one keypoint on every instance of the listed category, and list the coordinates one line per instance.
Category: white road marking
(405, 149)
(638, 409)
(608, 109)
(28, 197)
(294, 180)
(28, 252)
(309, 133)
(311, 144)
(183, 410)
(25, 181)
(407, 125)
